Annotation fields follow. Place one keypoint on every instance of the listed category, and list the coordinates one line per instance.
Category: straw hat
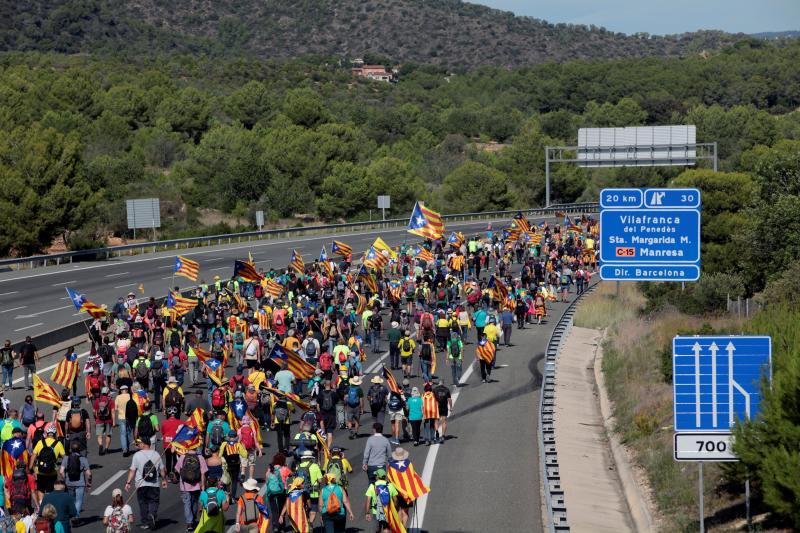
(356, 380)
(400, 454)
(376, 379)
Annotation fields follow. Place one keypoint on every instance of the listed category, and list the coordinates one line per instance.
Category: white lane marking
(110, 481)
(219, 268)
(430, 460)
(218, 259)
(167, 277)
(165, 266)
(123, 286)
(7, 293)
(13, 309)
(49, 368)
(374, 365)
(43, 312)
(63, 283)
(29, 327)
(117, 274)
(216, 250)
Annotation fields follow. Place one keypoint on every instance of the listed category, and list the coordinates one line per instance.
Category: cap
(104, 390)
(116, 492)
(232, 433)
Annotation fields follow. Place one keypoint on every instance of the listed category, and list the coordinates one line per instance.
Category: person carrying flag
(248, 515)
(295, 507)
(379, 503)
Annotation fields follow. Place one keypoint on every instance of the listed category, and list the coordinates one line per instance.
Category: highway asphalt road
(484, 478)
(34, 301)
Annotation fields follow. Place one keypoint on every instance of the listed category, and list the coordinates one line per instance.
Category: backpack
(425, 352)
(145, 427)
(19, 491)
(75, 420)
(441, 295)
(141, 370)
(336, 468)
(212, 506)
(250, 514)
(247, 438)
(327, 403)
(8, 357)
(234, 461)
(275, 484)
(564, 279)
(304, 472)
(159, 373)
(175, 362)
(382, 499)
(426, 321)
(103, 410)
(441, 394)
(149, 472)
(420, 293)
(38, 433)
(217, 433)
(406, 345)
(218, 398)
(173, 398)
(74, 467)
(377, 396)
(310, 419)
(395, 402)
(43, 525)
(455, 348)
(117, 522)
(238, 383)
(190, 469)
(311, 349)
(131, 410)
(352, 396)
(326, 361)
(332, 505)
(282, 414)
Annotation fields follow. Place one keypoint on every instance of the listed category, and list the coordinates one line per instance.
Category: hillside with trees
(446, 32)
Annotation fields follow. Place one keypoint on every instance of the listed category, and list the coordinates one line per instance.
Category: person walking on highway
(104, 411)
(430, 414)
(376, 452)
(191, 468)
(118, 517)
(507, 322)
(455, 354)
(125, 430)
(28, 357)
(59, 507)
(77, 474)
(147, 471)
(7, 362)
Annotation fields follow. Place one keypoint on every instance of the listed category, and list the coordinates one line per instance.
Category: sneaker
(395, 442)
(189, 529)
(144, 526)
(483, 381)
(102, 451)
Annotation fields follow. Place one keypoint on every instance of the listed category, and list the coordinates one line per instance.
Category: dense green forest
(80, 134)
(442, 32)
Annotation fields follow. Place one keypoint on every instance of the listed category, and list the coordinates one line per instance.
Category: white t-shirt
(126, 512)
(251, 348)
(140, 458)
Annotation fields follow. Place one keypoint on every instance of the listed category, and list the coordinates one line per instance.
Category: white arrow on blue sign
(717, 380)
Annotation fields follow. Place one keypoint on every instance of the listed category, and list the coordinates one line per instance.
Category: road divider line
(7, 293)
(29, 327)
(117, 274)
(43, 312)
(63, 283)
(430, 461)
(13, 309)
(166, 266)
(110, 481)
(219, 268)
(374, 365)
(123, 286)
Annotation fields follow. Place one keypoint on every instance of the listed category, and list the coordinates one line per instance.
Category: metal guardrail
(144, 247)
(548, 455)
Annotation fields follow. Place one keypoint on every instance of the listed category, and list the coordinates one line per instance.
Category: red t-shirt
(169, 428)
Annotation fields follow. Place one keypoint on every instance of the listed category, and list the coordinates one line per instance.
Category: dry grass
(637, 363)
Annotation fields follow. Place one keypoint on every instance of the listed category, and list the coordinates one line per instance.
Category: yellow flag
(141, 288)
(380, 245)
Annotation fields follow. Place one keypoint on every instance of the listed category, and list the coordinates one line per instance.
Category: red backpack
(218, 398)
(248, 439)
(325, 361)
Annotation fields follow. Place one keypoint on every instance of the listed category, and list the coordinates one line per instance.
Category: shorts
(251, 363)
(406, 360)
(313, 505)
(396, 416)
(45, 482)
(103, 428)
(564, 287)
(251, 459)
(352, 413)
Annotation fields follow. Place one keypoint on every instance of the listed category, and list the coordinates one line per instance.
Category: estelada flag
(456, 239)
(44, 392)
(430, 405)
(485, 350)
(425, 222)
(197, 420)
(393, 519)
(66, 371)
(521, 222)
(187, 268)
(296, 510)
(297, 365)
(263, 319)
(246, 271)
(326, 452)
(297, 262)
(202, 355)
(395, 290)
(178, 305)
(406, 480)
(187, 438)
(361, 301)
(368, 279)
(498, 288)
(13, 450)
(274, 288)
(420, 252)
(341, 249)
(213, 370)
(375, 259)
(457, 263)
(82, 303)
(263, 517)
(390, 381)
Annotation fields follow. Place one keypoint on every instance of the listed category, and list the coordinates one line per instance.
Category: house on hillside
(372, 72)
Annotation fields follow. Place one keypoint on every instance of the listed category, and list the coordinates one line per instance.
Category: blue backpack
(352, 396)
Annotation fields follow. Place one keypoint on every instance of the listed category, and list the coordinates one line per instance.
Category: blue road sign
(650, 234)
(717, 380)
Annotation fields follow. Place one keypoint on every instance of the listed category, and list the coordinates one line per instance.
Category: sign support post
(700, 494)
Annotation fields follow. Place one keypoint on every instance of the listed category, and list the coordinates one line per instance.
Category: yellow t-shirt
(491, 332)
(58, 448)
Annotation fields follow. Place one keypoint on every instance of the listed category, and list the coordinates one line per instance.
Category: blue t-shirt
(225, 428)
(220, 496)
(480, 318)
(415, 408)
(507, 317)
